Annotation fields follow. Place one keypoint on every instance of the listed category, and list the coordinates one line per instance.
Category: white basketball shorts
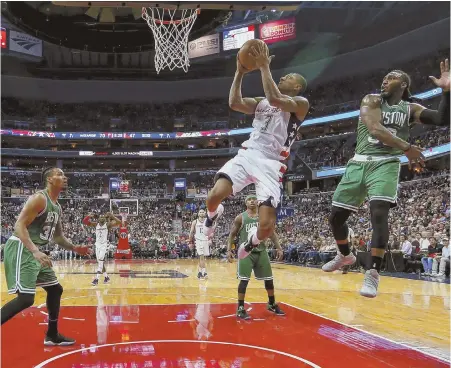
(252, 166)
(101, 251)
(202, 247)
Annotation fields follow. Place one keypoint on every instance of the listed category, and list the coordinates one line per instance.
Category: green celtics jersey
(248, 223)
(396, 119)
(43, 226)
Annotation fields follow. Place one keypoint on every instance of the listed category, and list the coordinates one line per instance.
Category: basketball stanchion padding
(123, 250)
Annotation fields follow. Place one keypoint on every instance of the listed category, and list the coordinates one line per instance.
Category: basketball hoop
(171, 36)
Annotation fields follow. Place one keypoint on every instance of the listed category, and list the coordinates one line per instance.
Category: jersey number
(49, 226)
(376, 141)
(264, 128)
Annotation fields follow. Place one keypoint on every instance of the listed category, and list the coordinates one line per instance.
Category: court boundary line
(50, 360)
(369, 333)
(141, 304)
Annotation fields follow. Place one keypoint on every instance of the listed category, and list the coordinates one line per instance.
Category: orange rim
(166, 22)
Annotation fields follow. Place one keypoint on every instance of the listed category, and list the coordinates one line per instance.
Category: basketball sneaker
(95, 282)
(338, 262)
(242, 313)
(106, 280)
(205, 276)
(246, 247)
(208, 224)
(58, 340)
(275, 309)
(370, 284)
(199, 275)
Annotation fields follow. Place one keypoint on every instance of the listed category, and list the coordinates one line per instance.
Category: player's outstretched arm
(438, 117)
(191, 233)
(236, 101)
(113, 221)
(88, 221)
(237, 223)
(297, 104)
(371, 115)
(275, 239)
(62, 241)
(33, 207)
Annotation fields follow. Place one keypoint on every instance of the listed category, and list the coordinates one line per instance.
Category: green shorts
(377, 180)
(257, 261)
(23, 271)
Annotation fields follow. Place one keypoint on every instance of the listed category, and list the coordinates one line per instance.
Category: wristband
(410, 146)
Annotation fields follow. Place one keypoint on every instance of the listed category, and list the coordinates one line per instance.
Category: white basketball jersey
(199, 235)
(102, 234)
(274, 131)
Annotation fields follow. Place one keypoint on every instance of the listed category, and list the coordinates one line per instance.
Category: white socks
(100, 267)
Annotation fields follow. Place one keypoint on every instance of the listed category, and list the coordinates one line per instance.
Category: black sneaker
(106, 280)
(95, 282)
(205, 276)
(58, 340)
(275, 309)
(242, 313)
(199, 275)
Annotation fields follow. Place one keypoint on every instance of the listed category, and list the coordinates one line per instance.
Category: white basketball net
(171, 36)
(124, 218)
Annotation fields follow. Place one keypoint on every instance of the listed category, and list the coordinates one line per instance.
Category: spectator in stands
(424, 243)
(406, 246)
(444, 260)
(415, 241)
(432, 253)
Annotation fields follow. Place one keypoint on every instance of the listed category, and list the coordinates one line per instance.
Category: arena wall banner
(432, 152)
(185, 135)
(203, 46)
(278, 30)
(25, 44)
(285, 212)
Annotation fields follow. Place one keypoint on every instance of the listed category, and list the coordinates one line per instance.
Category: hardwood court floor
(412, 312)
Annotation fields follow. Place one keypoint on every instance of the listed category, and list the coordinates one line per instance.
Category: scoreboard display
(236, 38)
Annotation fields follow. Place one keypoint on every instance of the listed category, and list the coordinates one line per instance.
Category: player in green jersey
(373, 172)
(26, 266)
(257, 260)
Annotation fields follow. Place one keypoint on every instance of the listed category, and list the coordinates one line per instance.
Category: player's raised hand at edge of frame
(443, 82)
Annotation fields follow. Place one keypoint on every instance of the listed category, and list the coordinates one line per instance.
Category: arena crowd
(422, 218)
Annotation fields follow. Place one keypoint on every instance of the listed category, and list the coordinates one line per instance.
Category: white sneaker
(434, 274)
(209, 230)
(246, 247)
(338, 262)
(370, 284)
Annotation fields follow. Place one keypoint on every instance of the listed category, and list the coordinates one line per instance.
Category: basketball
(243, 55)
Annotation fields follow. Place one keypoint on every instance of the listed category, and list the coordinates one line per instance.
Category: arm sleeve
(87, 221)
(437, 117)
